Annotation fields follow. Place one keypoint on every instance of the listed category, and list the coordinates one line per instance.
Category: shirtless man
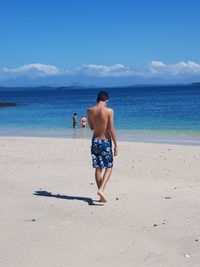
(100, 120)
(75, 120)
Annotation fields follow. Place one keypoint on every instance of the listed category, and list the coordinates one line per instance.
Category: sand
(49, 216)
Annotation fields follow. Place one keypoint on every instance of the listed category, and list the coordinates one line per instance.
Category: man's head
(102, 96)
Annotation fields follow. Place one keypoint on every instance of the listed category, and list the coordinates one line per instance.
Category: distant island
(83, 86)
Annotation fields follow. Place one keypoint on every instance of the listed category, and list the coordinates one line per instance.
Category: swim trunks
(101, 151)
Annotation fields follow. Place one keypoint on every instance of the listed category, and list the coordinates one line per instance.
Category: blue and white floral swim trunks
(102, 156)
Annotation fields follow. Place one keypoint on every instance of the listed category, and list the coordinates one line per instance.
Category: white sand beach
(49, 216)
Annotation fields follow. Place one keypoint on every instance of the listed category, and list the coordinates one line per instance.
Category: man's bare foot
(102, 196)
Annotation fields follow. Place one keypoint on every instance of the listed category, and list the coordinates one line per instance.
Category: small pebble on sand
(167, 197)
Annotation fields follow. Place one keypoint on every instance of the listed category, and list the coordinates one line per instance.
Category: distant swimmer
(100, 120)
(83, 122)
(75, 120)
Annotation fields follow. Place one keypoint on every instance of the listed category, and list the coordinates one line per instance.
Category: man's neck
(102, 104)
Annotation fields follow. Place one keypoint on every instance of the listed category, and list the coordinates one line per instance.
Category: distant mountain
(76, 86)
(20, 88)
(196, 84)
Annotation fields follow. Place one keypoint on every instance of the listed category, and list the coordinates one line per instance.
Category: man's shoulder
(91, 108)
(109, 110)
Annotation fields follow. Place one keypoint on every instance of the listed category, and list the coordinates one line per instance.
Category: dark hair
(102, 96)
(75, 114)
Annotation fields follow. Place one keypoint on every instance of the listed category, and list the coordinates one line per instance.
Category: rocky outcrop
(7, 104)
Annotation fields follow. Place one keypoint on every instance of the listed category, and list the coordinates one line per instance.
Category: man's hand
(115, 151)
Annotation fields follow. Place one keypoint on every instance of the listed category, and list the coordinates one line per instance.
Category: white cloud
(157, 64)
(156, 69)
(117, 70)
(46, 69)
(181, 68)
(29, 70)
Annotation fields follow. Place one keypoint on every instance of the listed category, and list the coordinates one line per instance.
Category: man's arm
(112, 131)
(89, 120)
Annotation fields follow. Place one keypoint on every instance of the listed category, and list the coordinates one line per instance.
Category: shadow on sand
(90, 201)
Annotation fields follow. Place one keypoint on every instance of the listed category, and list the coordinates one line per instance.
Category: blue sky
(103, 38)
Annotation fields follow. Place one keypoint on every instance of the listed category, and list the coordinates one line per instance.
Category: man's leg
(98, 177)
(106, 177)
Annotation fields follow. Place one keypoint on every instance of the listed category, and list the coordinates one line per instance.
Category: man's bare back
(100, 119)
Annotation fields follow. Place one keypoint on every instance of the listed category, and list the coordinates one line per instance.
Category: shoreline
(157, 137)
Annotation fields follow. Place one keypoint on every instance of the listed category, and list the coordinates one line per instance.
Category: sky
(102, 41)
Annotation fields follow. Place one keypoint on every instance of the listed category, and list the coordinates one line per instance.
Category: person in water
(75, 120)
(101, 121)
(83, 122)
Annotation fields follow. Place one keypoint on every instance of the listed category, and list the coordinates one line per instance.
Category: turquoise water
(166, 113)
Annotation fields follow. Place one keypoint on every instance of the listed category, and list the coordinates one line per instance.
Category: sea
(163, 114)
